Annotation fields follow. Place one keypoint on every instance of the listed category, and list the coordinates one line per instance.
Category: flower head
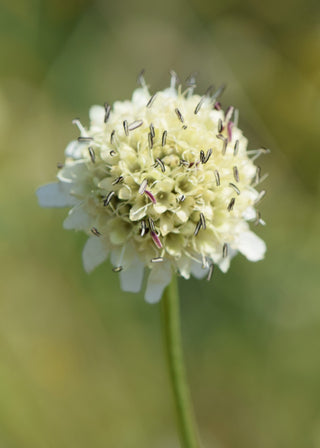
(163, 181)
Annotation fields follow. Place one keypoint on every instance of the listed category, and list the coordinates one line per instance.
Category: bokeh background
(81, 363)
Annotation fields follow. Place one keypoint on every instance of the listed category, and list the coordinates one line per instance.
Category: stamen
(198, 106)
(164, 138)
(143, 186)
(112, 136)
(258, 153)
(118, 180)
(191, 80)
(181, 198)
(205, 263)
(156, 240)
(203, 221)
(224, 148)
(207, 157)
(236, 174)
(152, 130)
(95, 231)
(143, 228)
(220, 126)
(151, 100)
(112, 153)
(217, 176)
(261, 196)
(219, 92)
(135, 124)
(107, 109)
(85, 139)
(157, 260)
(60, 165)
(107, 200)
(258, 218)
(257, 176)
(92, 154)
(174, 79)
(202, 156)
(179, 115)
(150, 196)
(229, 129)
(117, 269)
(198, 227)
(217, 105)
(150, 140)
(228, 114)
(236, 117)
(151, 224)
(76, 121)
(236, 189)
(231, 204)
(211, 269)
(140, 80)
(159, 162)
(236, 148)
(126, 127)
(225, 250)
(184, 162)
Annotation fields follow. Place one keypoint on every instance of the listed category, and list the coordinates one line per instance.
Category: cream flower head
(163, 181)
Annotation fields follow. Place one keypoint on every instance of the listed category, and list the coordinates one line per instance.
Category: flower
(163, 181)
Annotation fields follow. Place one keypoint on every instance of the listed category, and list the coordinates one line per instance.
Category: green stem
(172, 335)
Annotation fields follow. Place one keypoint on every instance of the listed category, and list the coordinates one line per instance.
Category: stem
(173, 344)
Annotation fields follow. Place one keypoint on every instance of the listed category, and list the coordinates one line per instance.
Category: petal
(97, 114)
(74, 150)
(73, 171)
(55, 195)
(184, 266)
(77, 219)
(131, 278)
(170, 92)
(140, 97)
(224, 264)
(197, 270)
(251, 246)
(159, 278)
(249, 214)
(94, 253)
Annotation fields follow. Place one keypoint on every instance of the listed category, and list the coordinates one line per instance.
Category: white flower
(163, 182)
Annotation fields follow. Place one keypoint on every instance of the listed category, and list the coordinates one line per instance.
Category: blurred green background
(81, 363)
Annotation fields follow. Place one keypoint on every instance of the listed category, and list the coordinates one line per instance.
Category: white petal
(115, 257)
(249, 214)
(73, 171)
(224, 264)
(97, 114)
(94, 253)
(74, 150)
(197, 270)
(77, 219)
(159, 278)
(170, 92)
(131, 278)
(55, 195)
(140, 97)
(251, 246)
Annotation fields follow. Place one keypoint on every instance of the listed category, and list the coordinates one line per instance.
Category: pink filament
(150, 196)
(156, 240)
(229, 126)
